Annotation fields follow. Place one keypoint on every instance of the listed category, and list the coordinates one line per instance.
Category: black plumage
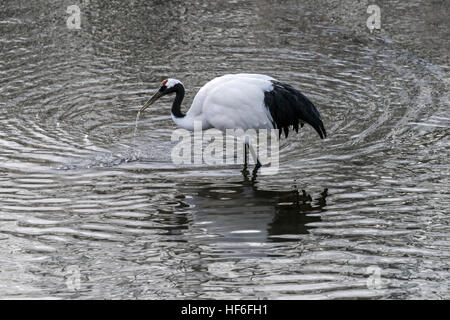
(289, 107)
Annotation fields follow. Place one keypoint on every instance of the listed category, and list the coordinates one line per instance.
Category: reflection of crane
(226, 210)
(242, 101)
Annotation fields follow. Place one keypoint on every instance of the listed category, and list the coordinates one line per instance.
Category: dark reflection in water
(242, 212)
(293, 217)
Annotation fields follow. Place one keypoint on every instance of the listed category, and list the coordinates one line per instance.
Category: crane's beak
(152, 100)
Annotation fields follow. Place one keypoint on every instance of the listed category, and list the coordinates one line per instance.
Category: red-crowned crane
(242, 101)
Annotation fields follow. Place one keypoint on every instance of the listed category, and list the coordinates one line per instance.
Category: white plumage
(221, 104)
(231, 102)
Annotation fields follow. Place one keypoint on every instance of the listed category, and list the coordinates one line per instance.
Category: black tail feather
(289, 107)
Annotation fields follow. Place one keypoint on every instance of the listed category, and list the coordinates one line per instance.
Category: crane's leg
(244, 170)
(255, 157)
(245, 155)
(258, 165)
(255, 170)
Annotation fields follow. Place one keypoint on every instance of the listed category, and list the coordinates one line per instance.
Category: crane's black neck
(176, 106)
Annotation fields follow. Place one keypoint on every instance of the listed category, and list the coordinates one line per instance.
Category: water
(89, 210)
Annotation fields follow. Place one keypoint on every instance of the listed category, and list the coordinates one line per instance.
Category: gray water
(88, 210)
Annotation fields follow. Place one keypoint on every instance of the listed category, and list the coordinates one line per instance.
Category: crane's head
(167, 86)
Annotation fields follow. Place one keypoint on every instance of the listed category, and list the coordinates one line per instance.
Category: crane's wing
(254, 101)
(289, 106)
(235, 102)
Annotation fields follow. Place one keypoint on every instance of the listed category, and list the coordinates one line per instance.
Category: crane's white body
(234, 101)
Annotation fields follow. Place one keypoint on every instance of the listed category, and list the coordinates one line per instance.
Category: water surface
(81, 194)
